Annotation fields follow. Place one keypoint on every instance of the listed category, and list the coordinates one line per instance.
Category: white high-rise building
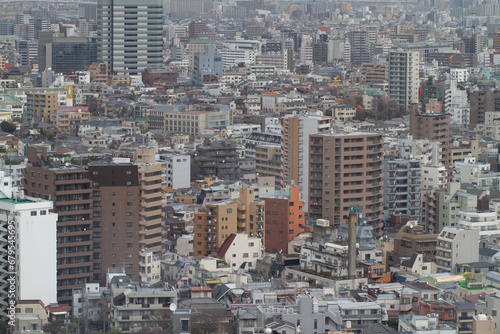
(30, 255)
(130, 35)
(456, 103)
(403, 77)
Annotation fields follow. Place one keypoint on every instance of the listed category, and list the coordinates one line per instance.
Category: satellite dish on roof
(173, 307)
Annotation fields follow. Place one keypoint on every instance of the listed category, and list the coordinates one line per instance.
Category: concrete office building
(295, 149)
(70, 188)
(345, 168)
(195, 46)
(35, 244)
(65, 54)
(207, 64)
(193, 121)
(130, 35)
(403, 77)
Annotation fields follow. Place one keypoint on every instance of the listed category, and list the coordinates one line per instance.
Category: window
(129, 234)
(185, 325)
(129, 172)
(250, 244)
(129, 245)
(256, 254)
(28, 310)
(245, 255)
(229, 210)
(95, 173)
(43, 212)
(129, 255)
(234, 255)
(129, 183)
(129, 224)
(33, 213)
(129, 194)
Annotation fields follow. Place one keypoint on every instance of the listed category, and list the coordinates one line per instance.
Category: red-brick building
(284, 219)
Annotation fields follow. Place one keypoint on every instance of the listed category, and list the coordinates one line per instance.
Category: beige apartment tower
(404, 81)
(151, 200)
(345, 168)
(219, 220)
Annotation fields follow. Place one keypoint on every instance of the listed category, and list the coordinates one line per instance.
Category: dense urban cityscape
(258, 166)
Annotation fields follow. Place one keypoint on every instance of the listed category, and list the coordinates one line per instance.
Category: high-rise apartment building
(403, 77)
(359, 42)
(295, 148)
(434, 127)
(268, 161)
(108, 214)
(284, 219)
(116, 191)
(151, 199)
(129, 35)
(402, 179)
(481, 101)
(345, 168)
(220, 220)
(70, 188)
(34, 243)
(216, 159)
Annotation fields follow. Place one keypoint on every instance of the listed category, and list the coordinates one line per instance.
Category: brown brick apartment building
(70, 188)
(345, 168)
(284, 218)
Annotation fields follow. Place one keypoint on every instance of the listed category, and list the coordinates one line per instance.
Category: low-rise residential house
(240, 250)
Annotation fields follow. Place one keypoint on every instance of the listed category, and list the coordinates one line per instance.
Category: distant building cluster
(193, 166)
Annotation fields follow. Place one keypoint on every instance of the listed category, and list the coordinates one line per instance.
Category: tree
(114, 331)
(8, 127)
(362, 115)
